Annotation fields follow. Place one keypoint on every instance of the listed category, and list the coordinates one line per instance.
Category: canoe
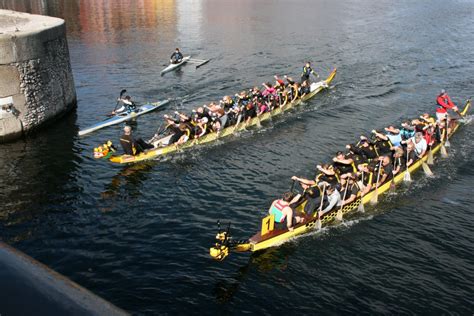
(315, 87)
(172, 67)
(142, 109)
(274, 237)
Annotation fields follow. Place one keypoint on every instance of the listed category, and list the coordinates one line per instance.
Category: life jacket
(277, 210)
(366, 178)
(444, 103)
(306, 72)
(131, 107)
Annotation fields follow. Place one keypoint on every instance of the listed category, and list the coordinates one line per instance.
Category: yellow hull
(159, 152)
(285, 235)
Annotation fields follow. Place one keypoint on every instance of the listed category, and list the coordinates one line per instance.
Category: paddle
(444, 152)
(118, 101)
(339, 211)
(430, 159)
(426, 169)
(407, 176)
(318, 221)
(447, 143)
(375, 197)
(393, 184)
(360, 207)
(239, 118)
(292, 186)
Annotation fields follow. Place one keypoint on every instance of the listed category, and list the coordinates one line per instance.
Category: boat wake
(345, 224)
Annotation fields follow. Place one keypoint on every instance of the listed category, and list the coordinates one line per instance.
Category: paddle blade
(430, 158)
(361, 207)
(392, 186)
(318, 224)
(427, 169)
(444, 152)
(407, 176)
(447, 143)
(375, 197)
(339, 214)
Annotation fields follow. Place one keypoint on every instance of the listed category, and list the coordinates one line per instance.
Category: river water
(139, 235)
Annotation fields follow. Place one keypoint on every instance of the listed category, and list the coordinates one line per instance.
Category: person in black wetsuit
(307, 71)
(127, 105)
(311, 194)
(176, 57)
(130, 145)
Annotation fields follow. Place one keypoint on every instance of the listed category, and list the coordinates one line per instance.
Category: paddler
(282, 210)
(366, 178)
(364, 149)
(130, 145)
(333, 199)
(420, 144)
(353, 189)
(307, 71)
(176, 57)
(311, 194)
(444, 104)
(305, 88)
(127, 105)
(343, 164)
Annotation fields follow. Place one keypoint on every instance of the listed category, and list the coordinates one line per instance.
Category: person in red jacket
(444, 104)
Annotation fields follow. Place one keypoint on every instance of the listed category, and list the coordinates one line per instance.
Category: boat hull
(228, 131)
(280, 236)
(172, 67)
(143, 109)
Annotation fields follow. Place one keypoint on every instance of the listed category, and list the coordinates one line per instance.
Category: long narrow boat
(171, 67)
(142, 109)
(269, 237)
(315, 88)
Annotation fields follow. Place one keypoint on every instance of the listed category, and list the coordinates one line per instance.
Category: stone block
(9, 81)
(10, 129)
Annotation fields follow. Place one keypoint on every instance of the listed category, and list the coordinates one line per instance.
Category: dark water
(139, 235)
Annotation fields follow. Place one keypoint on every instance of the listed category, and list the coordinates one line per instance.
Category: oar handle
(293, 185)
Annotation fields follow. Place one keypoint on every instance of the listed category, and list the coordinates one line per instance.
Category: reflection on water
(39, 170)
(127, 182)
(140, 237)
(103, 21)
(274, 259)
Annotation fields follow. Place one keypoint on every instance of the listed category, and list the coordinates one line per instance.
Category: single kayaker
(444, 104)
(307, 71)
(176, 57)
(130, 145)
(127, 105)
(282, 210)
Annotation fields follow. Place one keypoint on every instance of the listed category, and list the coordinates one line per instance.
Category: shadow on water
(128, 181)
(261, 262)
(39, 171)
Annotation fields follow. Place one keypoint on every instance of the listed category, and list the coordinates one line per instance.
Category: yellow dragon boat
(269, 236)
(154, 153)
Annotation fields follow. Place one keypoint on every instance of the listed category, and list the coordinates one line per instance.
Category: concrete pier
(30, 288)
(36, 82)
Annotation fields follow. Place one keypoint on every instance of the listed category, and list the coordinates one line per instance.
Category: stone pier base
(36, 82)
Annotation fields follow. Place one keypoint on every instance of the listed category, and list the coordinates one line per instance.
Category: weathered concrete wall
(36, 83)
(28, 287)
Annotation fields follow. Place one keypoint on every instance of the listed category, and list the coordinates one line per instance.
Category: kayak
(119, 118)
(172, 67)
(270, 236)
(163, 149)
